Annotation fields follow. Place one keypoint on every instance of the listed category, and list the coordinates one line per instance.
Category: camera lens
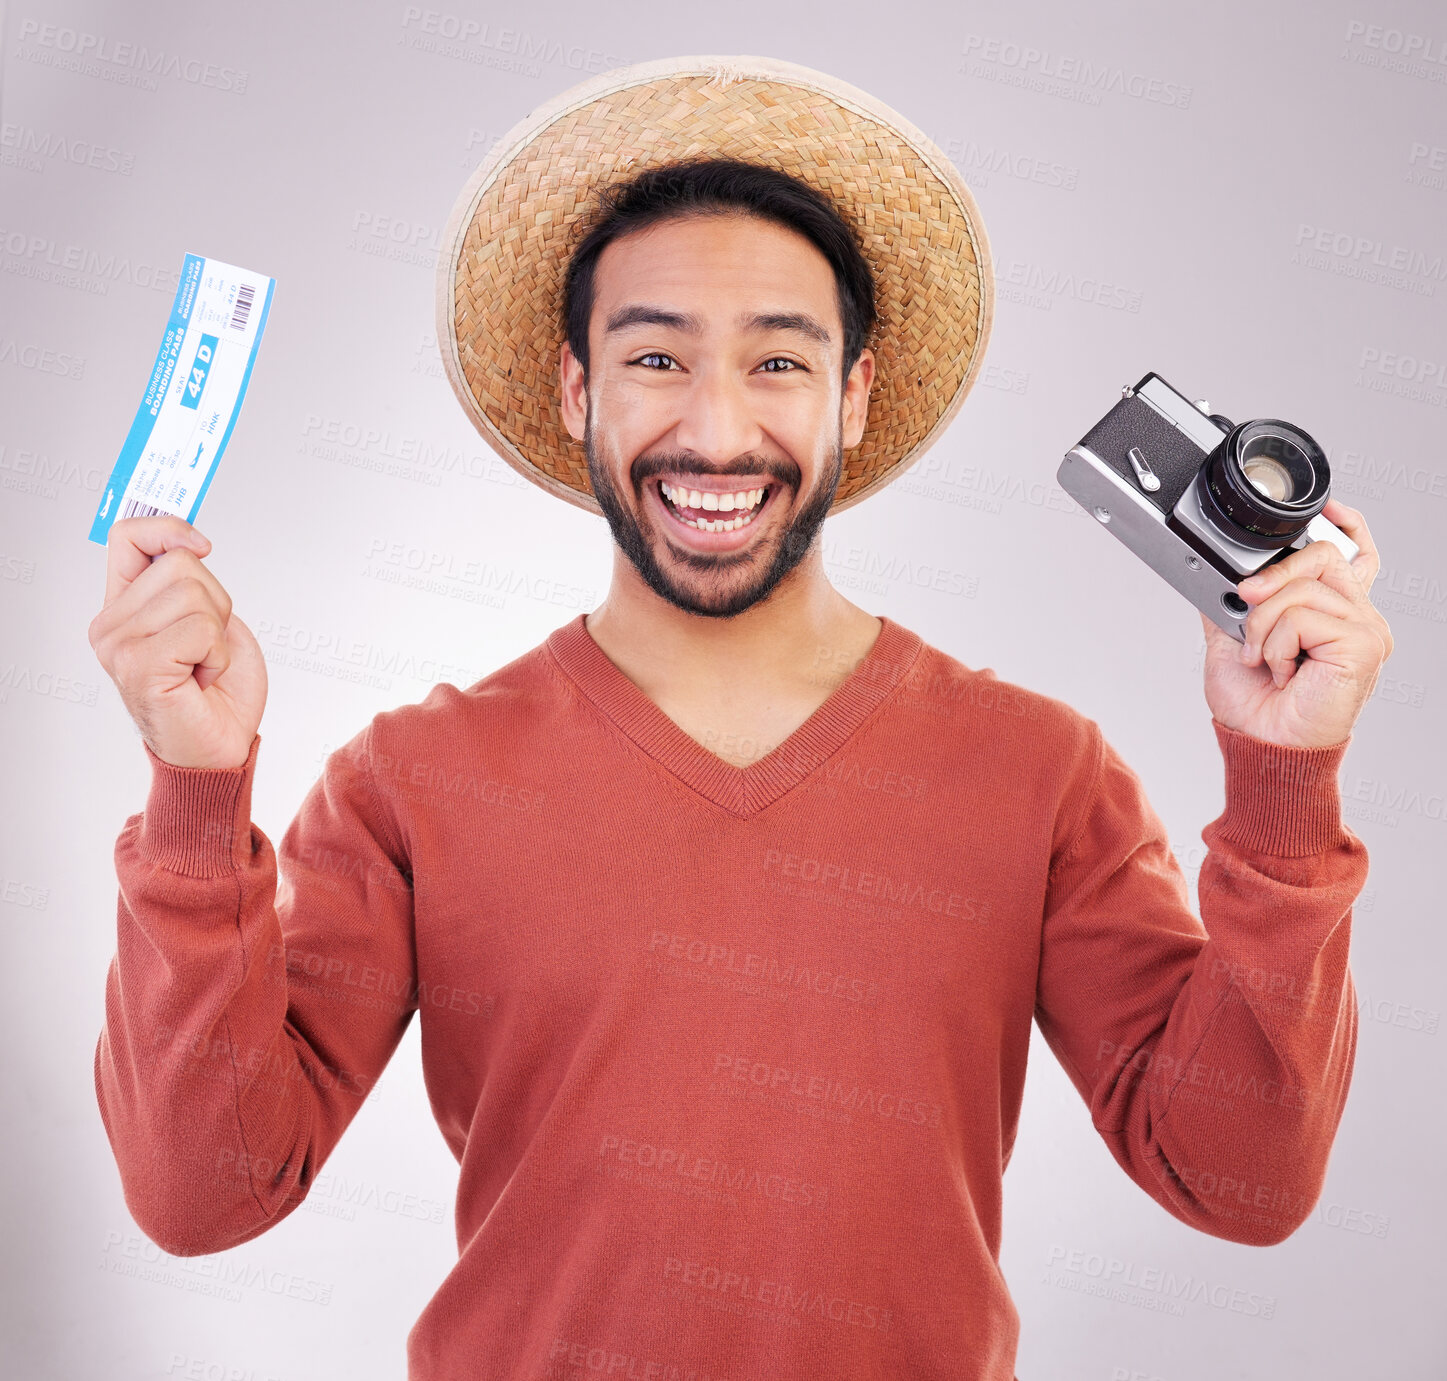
(1264, 483)
(1276, 467)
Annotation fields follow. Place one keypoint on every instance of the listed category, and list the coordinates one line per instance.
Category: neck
(805, 635)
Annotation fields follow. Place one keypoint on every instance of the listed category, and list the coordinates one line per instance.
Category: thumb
(133, 543)
(1215, 635)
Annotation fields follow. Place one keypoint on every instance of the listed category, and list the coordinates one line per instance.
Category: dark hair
(716, 186)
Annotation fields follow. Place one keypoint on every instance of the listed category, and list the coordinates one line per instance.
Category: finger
(1303, 591)
(181, 599)
(181, 647)
(194, 642)
(1321, 561)
(132, 542)
(1366, 563)
(175, 565)
(1304, 629)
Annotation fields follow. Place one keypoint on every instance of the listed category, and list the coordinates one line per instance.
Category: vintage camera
(1202, 500)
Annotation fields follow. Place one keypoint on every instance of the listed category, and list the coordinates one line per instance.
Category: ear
(855, 403)
(572, 393)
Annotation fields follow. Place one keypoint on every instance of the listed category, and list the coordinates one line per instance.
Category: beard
(698, 583)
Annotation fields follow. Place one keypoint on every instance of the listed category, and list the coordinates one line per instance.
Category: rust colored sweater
(731, 1058)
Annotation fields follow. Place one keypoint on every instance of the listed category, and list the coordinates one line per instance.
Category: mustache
(645, 467)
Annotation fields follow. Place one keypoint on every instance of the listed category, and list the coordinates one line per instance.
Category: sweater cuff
(1279, 800)
(197, 820)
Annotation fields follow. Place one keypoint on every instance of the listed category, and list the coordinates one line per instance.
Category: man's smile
(713, 512)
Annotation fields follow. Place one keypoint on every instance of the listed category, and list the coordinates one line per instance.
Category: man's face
(713, 416)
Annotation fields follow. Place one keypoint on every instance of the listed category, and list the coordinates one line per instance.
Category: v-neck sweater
(731, 1058)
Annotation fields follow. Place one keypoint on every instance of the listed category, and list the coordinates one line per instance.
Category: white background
(324, 146)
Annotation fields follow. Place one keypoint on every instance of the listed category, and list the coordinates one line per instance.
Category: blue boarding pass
(194, 395)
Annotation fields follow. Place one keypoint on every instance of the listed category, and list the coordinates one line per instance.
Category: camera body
(1203, 501)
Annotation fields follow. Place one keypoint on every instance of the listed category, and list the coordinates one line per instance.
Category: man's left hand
(1315, 602)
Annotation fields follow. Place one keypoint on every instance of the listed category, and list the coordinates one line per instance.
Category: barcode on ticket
(245, 294)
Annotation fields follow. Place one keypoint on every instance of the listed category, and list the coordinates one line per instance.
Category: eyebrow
(644, 314)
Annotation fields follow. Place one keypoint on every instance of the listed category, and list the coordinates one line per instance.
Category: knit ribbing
(196, 817)
(1280, 801)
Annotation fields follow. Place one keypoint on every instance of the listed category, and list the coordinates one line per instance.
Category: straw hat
(511, 231)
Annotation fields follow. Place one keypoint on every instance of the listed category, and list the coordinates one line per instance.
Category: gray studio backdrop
(1250, 199)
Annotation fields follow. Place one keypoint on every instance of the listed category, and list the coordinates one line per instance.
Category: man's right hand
(190, 672)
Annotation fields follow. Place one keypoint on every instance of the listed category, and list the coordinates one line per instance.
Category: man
(729, 1041)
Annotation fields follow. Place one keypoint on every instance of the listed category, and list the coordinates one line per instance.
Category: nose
(717, 421)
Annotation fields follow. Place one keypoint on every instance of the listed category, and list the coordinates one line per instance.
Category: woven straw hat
(511, 232)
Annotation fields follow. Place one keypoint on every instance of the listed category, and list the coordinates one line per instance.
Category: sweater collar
(742, 791)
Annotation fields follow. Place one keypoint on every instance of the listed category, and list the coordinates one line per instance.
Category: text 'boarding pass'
(191, 403)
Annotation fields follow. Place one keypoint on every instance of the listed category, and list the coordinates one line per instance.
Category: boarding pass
(191, 403)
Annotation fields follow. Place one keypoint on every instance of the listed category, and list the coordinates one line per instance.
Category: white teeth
(709, 502)
(684, 499)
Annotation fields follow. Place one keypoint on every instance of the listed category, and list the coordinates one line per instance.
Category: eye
(782, 359)
(652, 355)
